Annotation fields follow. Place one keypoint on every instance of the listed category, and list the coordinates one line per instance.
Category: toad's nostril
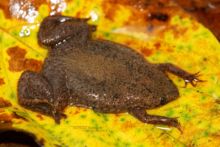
(163, 100)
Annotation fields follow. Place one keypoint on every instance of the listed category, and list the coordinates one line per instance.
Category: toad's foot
(187, 77)
(141, 114)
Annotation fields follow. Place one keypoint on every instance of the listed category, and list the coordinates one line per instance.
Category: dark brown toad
(101, 75)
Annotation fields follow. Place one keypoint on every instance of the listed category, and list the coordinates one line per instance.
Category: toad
(101, 75)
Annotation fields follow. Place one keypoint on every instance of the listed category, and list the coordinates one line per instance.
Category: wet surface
(23, 9)
(28, 9)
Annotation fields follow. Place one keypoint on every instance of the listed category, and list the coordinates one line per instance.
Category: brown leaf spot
(40, 116)
(217, 101)
(18, 62)
(78, 110)
(38, 3)
(176, 31)
(2, 82)
(16, 52)
(216, 135)
(146, 52)
(127, 125)
(4, 5)
(78, 14)
(6, 118)
(109, 10)
(133, 3)
(137, 7)
(2, 110)
(32, 64)
(4, 103)
(157, 45)
(75, 112)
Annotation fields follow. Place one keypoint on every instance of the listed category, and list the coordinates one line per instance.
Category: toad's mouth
(39, 105)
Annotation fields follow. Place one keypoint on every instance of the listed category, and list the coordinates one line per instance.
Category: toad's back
(109, 76)
(104, 60)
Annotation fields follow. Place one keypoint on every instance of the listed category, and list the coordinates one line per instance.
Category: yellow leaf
(180, 40)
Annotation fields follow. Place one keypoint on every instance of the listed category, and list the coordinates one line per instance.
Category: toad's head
(56, 29)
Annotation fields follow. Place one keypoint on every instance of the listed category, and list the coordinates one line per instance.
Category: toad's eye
(163, 100)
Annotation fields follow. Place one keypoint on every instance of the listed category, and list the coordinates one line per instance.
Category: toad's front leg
(188, 77)
(35, 93)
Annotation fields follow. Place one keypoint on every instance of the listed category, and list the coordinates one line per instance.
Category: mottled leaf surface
(179, 40)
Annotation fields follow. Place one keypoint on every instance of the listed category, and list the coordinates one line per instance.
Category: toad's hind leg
(186, 76)
(141, 115)
(32, 86)
(35, 93)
